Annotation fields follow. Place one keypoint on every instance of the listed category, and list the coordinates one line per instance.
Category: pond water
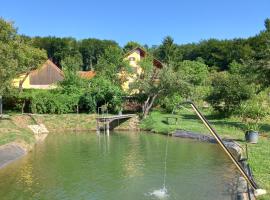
(123, 166)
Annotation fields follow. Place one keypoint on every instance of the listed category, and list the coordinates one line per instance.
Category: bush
(254, 110)
(199, 94)
(88, 103)
(170, 103)
(102, 92)
(72, 93)
(228, 91)
(52, 103)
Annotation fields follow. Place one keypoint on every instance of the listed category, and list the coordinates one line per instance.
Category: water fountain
(163, 193)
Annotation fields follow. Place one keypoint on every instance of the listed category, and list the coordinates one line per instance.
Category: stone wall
(129, 124)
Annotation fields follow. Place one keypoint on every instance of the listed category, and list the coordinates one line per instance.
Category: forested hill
(213, 52)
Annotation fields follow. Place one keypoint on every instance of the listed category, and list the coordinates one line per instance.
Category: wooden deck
(104, 121)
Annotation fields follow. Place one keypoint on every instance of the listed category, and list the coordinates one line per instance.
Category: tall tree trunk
(22, 81)
(148, 105)
(77, 108)
(23, 105)
(145, 103)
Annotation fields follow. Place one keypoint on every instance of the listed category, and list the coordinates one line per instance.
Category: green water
(124, 166)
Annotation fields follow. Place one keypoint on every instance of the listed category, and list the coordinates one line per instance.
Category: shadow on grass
(265, 127)
(165, 122)
(208, 116)
(238, 125)
(218, 120)
(5, 119)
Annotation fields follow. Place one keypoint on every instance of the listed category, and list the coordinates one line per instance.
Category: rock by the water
(39, 128)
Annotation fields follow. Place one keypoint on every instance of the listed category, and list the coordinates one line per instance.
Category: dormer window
(131, 58)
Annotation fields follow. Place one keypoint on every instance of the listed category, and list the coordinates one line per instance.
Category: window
(131, 58)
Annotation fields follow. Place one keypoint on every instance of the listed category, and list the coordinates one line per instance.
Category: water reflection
(104, 143)
(121, 166)
(133, 159)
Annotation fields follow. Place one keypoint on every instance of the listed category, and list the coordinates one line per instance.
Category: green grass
(15, 129)
(67, 121)
(259, 154)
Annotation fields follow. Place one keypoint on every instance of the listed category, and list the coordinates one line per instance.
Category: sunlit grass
(259, 154)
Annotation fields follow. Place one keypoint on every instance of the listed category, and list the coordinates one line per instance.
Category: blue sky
(145, 21)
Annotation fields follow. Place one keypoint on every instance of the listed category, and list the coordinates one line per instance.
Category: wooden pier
(104, 121)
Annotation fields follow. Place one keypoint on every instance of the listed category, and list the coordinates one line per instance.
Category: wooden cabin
(44, 77)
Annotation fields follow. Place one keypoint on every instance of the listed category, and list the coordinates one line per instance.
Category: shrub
(170, 103)
(101, 92)
(88, 103)
(73, 92)
(254, 110)
(228, 91)
(53, 103)
(194, 72)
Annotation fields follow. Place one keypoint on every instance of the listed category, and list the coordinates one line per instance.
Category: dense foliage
(225, 73)
(16, 56)
(229, 90)
(102, 92)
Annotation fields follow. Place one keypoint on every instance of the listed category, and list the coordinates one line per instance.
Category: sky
(144, 21)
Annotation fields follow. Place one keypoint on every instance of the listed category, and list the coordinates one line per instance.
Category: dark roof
(51, 64)
(141, 50)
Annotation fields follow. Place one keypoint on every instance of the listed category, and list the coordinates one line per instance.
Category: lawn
(226, 127)
(14, 128)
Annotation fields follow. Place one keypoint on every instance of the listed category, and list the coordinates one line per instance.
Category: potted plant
(252, 132)
(252, 112)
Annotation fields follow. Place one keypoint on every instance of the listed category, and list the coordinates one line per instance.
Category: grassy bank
(227, 128)
(14, 128)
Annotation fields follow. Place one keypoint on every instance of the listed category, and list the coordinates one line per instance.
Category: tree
(30, 58)
(168, 51)
(100, 92)
(57, 48)
(196, 75)
(72, 63)
(72, 85)
(261, 67)
(228, 92)
(156, 83)
(92, 49)
(131, 45)
(16, 56)
(111, 63)
(267, 24)
(194, 72)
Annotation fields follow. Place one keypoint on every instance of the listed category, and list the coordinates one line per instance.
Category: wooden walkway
(104, 121)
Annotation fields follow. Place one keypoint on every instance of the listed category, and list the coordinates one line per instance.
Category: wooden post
(98, 128)
(108, 127)
(1, 107)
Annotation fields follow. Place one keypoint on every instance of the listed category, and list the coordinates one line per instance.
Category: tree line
(224, 73)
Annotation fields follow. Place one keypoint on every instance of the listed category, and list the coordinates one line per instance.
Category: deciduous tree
(156, 83)
(16, 56)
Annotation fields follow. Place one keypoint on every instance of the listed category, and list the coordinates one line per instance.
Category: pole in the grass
(1, 106)
(248, 178)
